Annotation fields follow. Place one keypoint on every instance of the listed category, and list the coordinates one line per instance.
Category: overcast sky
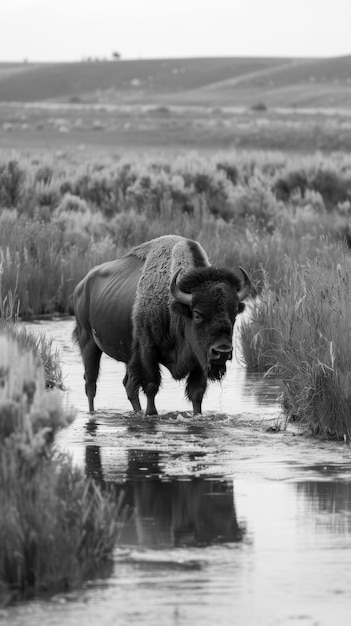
(70, 30)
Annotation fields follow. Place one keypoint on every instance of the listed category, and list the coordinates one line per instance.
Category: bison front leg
(151, 390)
(195, 388)
(143, 371)
(151, 384)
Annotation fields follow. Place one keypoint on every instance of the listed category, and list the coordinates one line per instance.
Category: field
(284, 82)
(174, 105)
(121, 129)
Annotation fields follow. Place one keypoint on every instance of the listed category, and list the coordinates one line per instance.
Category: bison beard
(216, 371)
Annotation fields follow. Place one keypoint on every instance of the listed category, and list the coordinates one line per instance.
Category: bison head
(209, 299)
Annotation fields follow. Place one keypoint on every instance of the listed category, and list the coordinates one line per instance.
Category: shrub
(97, 188)
(332, 187)
(292, 180)
(12, 178)
(44, 174)
(71, 202)
(254, 204)
(230, 170)
(259, 106)
(56, 527)
(129, 229)
(302, 331)
(47, 193)
(42, 349)
(23, 385)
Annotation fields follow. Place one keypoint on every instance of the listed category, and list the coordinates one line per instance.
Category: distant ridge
(236, 81)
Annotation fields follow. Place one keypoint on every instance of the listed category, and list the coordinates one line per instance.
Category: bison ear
(181, 309)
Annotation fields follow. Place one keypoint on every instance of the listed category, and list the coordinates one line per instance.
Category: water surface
(227, 521)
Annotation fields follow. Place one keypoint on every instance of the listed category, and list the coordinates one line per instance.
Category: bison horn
(178, 294)
(245, 289)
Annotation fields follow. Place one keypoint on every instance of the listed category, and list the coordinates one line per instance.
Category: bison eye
(198, 317)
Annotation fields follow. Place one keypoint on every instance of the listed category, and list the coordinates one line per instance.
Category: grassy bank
(56, 527)
(301, 331)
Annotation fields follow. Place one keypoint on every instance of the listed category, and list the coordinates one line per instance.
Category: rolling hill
(214, 81)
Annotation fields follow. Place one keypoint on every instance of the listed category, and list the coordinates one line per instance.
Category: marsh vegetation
(55, 525)
(286, 219)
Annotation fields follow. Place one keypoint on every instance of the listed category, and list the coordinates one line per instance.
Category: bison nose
(221, 352)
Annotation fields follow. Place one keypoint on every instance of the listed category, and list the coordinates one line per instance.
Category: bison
(161, 303)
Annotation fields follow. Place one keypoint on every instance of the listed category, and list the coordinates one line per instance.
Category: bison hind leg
(91, 355)
(195, 388)
(132, 390)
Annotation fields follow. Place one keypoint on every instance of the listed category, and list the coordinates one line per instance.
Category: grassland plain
(119, 129)
(284, 82)
(206, 104)
(285, 218)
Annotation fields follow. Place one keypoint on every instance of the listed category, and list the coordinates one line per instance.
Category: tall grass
(252, 209)
(301, 330)
(40, 346)
(56, 526)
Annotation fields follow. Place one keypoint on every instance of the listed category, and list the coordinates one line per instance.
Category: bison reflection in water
(170, 512)
(162, 303)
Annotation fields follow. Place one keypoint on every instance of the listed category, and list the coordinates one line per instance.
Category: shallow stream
(231, 522)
